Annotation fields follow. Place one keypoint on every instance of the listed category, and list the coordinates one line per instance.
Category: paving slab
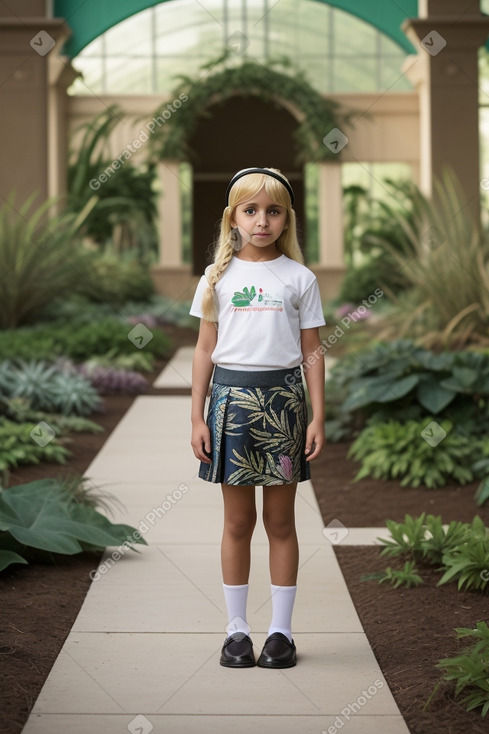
(177, 673)
(143, 653)
(210, 724)
(178, 372)
(170, 592)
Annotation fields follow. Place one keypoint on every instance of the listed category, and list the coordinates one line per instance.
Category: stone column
(331, 266)
(449, 34)
(61, 76)
(25, 45)
(171, 277)
(169, 214)
(330, 216)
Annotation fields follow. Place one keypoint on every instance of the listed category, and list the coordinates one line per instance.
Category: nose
(262, 218)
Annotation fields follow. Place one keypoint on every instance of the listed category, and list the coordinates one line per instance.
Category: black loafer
(277, 652)
(237, 651)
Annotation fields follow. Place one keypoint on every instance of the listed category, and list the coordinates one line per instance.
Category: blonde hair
(243, 190)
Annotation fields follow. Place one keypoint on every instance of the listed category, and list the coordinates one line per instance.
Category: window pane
(132, 37)
(338, 51)
(128, 76)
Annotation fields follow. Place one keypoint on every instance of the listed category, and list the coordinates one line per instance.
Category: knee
(240, 524)
(278, 525)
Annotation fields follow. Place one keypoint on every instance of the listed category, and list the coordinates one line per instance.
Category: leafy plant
(398, 450)
(43, 515)
(369, 225)
(17, 446)
(407, 576)
(468, 564)
(218, 80)
(106, 380)
(402, 381)
(87, 340)
(41, 259)
(124, 214)
(20, 411)
(115, 279)
(448, 274)
(46, 388)
(427, 538)
(138, 361)
(468, 670)
(459, 550)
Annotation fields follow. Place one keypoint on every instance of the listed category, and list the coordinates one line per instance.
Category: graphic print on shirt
(243, 300)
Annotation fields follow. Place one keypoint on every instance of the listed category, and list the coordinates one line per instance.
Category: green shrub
(446, 264)
(398, 451)
(17, 446)
(406, 576)
(402, 381)
(79, 342)
(20, 411)
(115, 279)
(125, 212)
(427, 538)
(40, 260)
(459, 550)
(47, 388)
(468, 670)
(43, 515)
(361, 281)
(468, 564)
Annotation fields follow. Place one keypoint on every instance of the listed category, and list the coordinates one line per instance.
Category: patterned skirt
(257, 422)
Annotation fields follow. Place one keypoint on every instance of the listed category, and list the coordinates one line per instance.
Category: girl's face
(260, 221)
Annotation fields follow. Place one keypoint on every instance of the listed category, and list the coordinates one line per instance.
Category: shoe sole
(274, 665)
(239, 665)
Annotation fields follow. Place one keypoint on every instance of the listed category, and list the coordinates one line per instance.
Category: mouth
(262, 234)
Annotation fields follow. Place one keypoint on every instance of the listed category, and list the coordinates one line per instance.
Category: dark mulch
(409, 630)
(369, 502)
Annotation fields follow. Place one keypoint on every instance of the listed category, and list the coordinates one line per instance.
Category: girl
(260, 310)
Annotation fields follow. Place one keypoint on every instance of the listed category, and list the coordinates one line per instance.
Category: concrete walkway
(143, 654)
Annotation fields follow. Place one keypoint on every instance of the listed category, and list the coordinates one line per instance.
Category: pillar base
(177, 282)
(174, 281)
(329, 280)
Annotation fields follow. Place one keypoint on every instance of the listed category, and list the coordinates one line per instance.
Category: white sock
(283, 598)
(236, 598)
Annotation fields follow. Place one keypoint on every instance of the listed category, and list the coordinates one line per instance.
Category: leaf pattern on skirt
(258, 435)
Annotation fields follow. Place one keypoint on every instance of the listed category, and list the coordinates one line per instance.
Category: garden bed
(40, 602)
(409, 629)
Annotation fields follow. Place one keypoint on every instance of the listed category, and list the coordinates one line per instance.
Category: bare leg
(279, 522)
(239, 523)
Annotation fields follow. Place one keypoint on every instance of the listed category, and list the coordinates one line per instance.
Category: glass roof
(142, 55)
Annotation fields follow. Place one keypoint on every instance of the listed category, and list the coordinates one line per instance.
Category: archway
(242, 132)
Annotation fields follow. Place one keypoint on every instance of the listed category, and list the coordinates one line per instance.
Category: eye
(274, 211)
(249, 210)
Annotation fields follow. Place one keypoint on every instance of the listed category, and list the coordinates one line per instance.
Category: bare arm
(313, 362)
(202, 368)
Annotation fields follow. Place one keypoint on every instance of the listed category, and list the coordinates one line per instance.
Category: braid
(223, 256)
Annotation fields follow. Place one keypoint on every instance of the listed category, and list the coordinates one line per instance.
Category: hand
(315, 440)
(201, 439)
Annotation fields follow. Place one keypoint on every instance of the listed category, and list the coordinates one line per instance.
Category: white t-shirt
(262, 308)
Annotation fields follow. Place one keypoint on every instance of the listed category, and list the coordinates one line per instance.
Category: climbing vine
(217, 82)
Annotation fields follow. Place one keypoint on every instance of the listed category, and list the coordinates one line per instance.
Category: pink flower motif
(285, 468)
